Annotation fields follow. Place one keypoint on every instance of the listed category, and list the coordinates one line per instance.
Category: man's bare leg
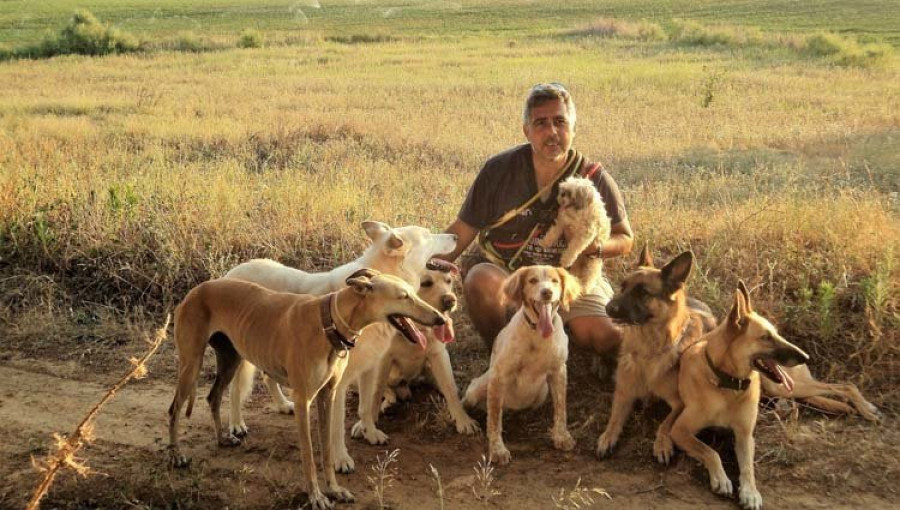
(485, 302)
(596, 333)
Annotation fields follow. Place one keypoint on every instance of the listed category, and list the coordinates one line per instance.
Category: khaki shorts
(588, 305)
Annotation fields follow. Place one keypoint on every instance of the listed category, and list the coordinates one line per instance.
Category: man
(509, 207)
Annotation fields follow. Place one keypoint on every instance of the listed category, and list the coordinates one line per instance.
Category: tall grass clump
(846, 52)
(250, 38)
(84, 35)
(694, 34)
(611, 27)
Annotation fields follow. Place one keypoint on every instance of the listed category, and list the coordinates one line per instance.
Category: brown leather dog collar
(338, 341)
(726, 381)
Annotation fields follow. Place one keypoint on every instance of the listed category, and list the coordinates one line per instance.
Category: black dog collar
(726, 381)
(338, 341)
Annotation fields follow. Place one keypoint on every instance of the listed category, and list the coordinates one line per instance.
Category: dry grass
(126, 180)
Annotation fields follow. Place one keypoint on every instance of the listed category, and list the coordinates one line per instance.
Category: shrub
(250, 38)
(693, 33)
(84, 35)
(846, 52)
(609, 27)
(190, 42)
(825, 44)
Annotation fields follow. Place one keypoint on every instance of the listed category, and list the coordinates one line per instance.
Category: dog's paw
(178, 460)
(720, 484)
(390, 398)
(344, 464)
(563, 440)
(376, 437)
(229, 440)
(870, 412)
(567, 259)
(319, 501)
(285, 407)
(605, 445)
(239, 429)
(340, 494)
(369, 433)
(500, 455)
(403, 392)
(663, 449)
(466, 425)
(750, 498)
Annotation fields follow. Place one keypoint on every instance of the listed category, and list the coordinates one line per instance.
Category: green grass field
(22, 21)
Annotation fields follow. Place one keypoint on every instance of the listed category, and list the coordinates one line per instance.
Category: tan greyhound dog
(296, 339)
(719, 384)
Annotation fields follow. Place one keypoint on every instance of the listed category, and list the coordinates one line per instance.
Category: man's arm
(620, 241)
(465, 234)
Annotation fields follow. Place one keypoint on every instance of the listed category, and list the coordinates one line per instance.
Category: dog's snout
(613, 309)
(546, 294)
(448, 302)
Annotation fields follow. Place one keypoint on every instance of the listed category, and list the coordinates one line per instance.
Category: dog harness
(726, 381)
(490, 249)
(338, 341)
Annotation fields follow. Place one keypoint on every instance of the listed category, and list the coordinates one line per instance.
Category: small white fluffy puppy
(529, 356)
(582, 219)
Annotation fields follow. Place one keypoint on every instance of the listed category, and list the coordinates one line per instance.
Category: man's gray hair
(543, 92)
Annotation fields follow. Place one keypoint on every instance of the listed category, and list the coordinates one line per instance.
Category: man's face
(549, 131)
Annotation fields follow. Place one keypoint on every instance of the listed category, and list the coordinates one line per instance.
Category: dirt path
(40, 397)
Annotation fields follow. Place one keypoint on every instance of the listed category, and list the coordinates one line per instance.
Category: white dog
(405, 361)
(402, 252)
(529, 356)
(582, 219)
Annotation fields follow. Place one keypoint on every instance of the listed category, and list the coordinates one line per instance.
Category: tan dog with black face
(288, 336)
(719, 383)
(658, 324)
(581, 218)
(529, 356)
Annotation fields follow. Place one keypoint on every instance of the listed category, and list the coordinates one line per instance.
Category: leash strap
(726, 381)
(338, 341)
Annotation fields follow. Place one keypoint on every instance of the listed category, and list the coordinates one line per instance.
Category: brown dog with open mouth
(719, 385)
(296, 339)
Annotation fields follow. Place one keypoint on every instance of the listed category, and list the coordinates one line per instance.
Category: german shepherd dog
(719, 383)
(658, 324)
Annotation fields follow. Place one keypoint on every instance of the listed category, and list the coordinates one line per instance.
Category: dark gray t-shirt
(505, 182)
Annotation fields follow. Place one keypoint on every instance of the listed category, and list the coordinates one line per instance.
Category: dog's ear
(393, 241)
(571, 288)
(360, 284)
(737, 317)
(742, 288)
(375, 229)
(676, 272)
(366, 271)
(513, 286)
(581, 196)
(646, 258)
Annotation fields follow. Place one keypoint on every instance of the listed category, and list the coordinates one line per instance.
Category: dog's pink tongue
(445, 332)
(785, 379)
(545, 319)
(414, 332)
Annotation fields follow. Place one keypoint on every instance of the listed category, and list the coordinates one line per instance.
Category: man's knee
(484, 300)
(484, 281)
(596, 333)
